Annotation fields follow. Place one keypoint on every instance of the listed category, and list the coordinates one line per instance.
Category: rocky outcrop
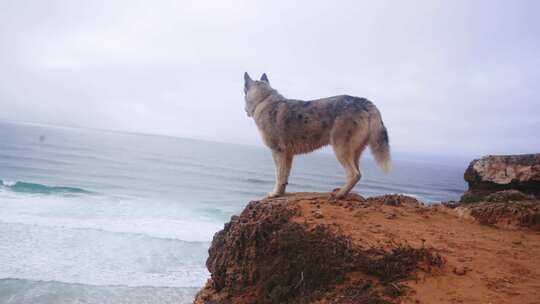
(496, 173)
(271, 253)
(309, 248)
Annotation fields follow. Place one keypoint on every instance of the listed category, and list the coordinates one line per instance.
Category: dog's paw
(336, 195)
(274, 194)
(332, 197)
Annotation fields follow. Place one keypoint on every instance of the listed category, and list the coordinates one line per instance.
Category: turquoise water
(104, 217)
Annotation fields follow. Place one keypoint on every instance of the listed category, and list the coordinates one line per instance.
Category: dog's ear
(265, 78)
(247, 82)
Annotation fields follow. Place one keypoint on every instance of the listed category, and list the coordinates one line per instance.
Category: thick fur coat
(290, 127)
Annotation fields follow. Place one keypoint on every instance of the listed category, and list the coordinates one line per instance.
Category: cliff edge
(309, 248)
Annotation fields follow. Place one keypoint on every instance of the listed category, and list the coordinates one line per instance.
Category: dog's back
(303, 126)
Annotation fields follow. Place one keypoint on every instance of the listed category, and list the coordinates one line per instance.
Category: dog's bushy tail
(378, 140)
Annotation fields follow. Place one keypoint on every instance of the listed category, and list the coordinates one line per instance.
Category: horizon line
(402, 156)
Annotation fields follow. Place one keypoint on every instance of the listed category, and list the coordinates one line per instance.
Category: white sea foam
(103, 240)
(184, 230)
(108, 214)
(98, 258)
(52, 292)
(8, 183)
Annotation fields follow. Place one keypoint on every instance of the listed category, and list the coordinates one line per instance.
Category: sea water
(90, 216)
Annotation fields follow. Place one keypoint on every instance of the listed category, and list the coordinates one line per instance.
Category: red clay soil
(389, 249)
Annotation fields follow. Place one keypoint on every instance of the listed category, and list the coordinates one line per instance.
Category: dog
(290, 127)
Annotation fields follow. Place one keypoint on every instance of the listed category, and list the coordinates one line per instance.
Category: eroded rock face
(506, 196)
(266, 255)
(496, 173)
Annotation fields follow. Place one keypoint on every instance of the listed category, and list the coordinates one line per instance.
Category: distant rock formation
(505, 172)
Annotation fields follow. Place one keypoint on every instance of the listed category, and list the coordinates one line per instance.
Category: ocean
(90, 216)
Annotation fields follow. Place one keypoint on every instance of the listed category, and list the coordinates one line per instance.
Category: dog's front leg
(283, 163)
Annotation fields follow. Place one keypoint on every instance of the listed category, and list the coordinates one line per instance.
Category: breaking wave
(27, 187)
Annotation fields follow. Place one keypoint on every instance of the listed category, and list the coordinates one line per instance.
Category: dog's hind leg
(283, 163)
(349, 161)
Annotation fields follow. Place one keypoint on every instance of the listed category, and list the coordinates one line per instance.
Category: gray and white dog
(290, 127)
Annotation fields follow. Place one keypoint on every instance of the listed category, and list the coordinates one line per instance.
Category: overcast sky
(450, 77)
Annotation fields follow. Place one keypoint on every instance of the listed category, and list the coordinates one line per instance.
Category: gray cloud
(451, 78)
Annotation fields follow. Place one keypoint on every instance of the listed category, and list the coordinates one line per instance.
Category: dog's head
(255, 91)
